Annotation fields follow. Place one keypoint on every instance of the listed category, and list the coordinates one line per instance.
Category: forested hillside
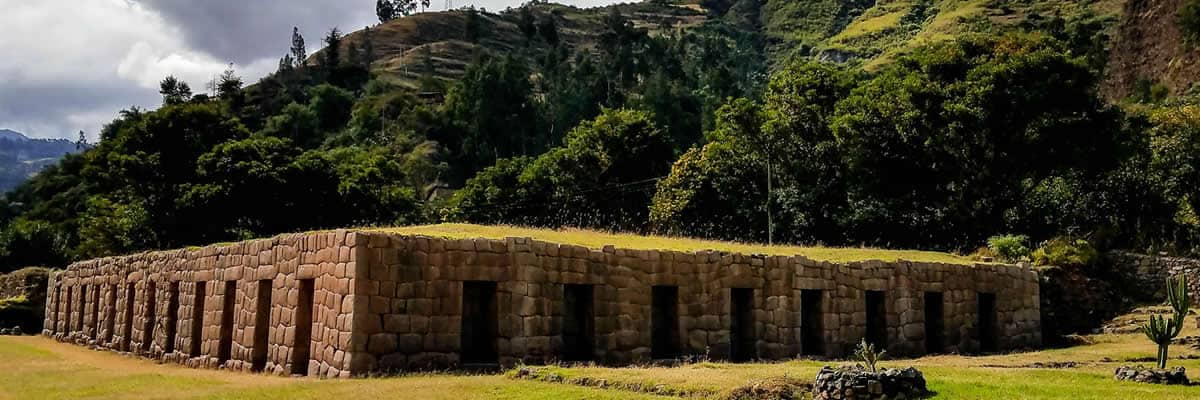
(929, 124)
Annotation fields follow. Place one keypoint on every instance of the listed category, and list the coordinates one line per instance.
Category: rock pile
(15, 331)
(847, 383)
(1174, 376)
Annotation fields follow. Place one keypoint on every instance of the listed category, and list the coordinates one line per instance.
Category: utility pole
(770, 223)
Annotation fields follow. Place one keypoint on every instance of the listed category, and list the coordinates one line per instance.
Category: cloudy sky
(70, 65)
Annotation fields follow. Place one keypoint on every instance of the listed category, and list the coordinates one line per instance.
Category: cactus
(1161, 330)
(866, 353)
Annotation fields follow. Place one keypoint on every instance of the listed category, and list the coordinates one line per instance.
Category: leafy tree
(299, 52)
(174, 91)
(527, 23)
(333, 49)
(548, 29)
(968, 121)
(602, 176)
(385, 10)
(492, 112)
(473, 27)
(1188, 20)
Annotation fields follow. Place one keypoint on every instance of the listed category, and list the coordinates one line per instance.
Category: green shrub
(20, 311)
(1009, 248)
(1188, 20)
(1063, 251)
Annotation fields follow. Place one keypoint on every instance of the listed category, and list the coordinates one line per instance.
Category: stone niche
(349, 303)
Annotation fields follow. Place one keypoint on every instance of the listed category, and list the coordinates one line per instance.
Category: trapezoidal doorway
(664, 322)
(742, 340)
(578, 323)
(479, 322)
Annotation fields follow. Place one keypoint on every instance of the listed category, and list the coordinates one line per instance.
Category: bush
(1188, 20)
(1063, 251)
(1009, 248)
(20, 311)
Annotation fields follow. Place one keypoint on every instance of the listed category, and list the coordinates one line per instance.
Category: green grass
(596, 240)
(41, 368)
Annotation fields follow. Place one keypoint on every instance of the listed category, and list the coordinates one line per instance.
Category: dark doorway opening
(67, 321)
(172, 316)
(148, 327)
(54, 312)
(303, 319)
(664, 322)
(812, 323)
(110, 314)
(987, 322)
(262, 326)
(578, 323)
(83, 310)
(935, 323)
(198, 297)
(130, 297)
(742, 340)
(479, 322)
(877, 319)
(95, 332)
(225, 341)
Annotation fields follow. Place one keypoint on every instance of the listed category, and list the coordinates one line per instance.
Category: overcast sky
(70, 65)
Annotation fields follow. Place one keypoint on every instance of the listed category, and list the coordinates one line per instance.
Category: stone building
(345, 303)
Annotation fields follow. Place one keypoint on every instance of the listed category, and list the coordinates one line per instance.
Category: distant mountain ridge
(22, 157)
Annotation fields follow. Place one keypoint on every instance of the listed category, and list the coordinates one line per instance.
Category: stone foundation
(382, 302)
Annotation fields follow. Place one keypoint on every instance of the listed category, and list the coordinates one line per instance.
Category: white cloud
(70, 65)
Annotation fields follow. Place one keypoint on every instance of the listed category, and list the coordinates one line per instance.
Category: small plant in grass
(866, 353)
(1162, 330)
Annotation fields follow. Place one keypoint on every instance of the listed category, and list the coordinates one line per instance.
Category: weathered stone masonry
(378, 301)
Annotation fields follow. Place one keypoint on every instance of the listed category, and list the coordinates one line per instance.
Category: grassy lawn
(596, 240)
(41, 368)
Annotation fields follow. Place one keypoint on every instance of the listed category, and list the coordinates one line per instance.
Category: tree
(333, 48)
(368, 48)
(492, 114)
(548, 29)
(473, 27)
(229, 84)
(81, 143)
(527, 23)
(600, 177)
(174, 91)
(385, 10)
(299, 53)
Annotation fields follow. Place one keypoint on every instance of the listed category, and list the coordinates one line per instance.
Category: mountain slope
(1150, 47)
(21, 157)
(437, 44)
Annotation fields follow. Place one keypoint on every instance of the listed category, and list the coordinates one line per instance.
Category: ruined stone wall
(1146, 274)
(106, 316)
(414, 287)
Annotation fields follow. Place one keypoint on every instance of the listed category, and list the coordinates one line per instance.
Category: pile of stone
(1174, 376)
(857, 383)
(16, 330)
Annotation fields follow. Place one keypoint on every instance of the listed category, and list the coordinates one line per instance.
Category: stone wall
(385, 302)
(1144, 275)
(106, 316)
(414, 289)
